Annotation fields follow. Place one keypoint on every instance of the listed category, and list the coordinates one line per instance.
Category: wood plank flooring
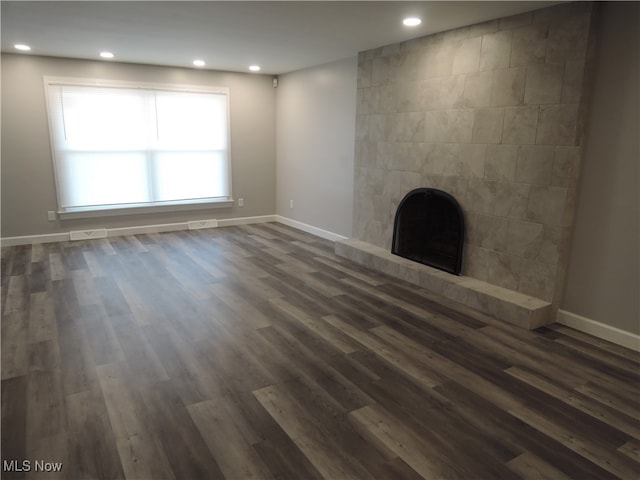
(254, 352)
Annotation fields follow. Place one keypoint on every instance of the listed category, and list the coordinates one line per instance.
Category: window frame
(135, 208)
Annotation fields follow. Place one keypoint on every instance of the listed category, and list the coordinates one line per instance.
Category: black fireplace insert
(429, 229)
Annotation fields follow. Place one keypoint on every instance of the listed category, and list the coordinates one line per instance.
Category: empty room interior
(320, 240)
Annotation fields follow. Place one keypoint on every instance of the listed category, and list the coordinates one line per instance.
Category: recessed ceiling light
(106, 54)
(254, 68)
(21, 46)
(199, 63)
(412, 21)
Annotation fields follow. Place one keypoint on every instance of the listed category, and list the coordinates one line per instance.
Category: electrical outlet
(290, 203)
(241, 202)
(51, 215)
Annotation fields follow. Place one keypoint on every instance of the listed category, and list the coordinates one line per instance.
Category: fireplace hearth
(429, 229)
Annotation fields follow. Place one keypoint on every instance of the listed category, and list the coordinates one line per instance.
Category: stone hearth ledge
(506, 305)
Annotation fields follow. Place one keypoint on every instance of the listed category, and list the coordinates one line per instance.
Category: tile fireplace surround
(492, 114)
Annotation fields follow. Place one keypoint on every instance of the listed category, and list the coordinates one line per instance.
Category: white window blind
(118, 147)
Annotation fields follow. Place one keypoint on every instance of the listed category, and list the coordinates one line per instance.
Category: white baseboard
(121, 231)
(600, 330)
(229, 222)
(319, 232)
(34, 239)
(172, 227)
(141, 229)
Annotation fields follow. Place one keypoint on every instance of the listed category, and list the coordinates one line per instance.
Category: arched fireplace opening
(429, 229)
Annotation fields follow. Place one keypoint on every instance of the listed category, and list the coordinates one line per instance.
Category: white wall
(315, 135)
(315, 145)
(603, 278)
(28, 188)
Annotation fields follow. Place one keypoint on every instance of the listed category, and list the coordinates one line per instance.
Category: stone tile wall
(491, 113)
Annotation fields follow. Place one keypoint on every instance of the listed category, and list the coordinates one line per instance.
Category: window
(119, 146)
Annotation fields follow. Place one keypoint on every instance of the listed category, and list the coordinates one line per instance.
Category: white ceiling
(279, 36)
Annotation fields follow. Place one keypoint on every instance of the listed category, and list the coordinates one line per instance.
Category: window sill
(141, 209)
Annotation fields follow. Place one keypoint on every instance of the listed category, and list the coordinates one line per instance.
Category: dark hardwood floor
(255, 352)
